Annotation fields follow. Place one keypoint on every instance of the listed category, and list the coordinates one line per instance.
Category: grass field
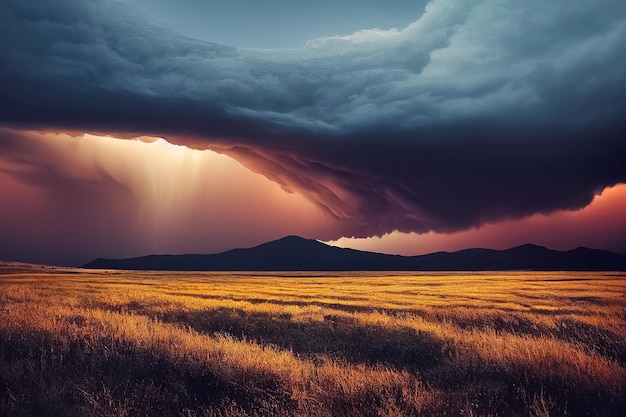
(114, 343)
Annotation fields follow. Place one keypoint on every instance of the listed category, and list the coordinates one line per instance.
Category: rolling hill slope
(293, 253)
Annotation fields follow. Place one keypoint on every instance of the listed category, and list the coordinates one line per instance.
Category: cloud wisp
(477, 112)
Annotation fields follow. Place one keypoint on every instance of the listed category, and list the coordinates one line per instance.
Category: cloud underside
(477, 112)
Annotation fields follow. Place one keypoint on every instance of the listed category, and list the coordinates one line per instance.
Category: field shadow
(43, 376)
(347, 337)
(433, 360)
(338, 336)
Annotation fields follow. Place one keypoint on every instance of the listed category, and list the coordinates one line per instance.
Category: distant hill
(293, 253)
(9, 267)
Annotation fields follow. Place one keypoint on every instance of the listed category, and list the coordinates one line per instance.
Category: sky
(276, 23)
(137, 127)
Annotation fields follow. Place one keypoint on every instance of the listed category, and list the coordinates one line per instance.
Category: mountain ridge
(294, 253)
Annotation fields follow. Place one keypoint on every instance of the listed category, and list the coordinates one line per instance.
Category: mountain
(293, 253)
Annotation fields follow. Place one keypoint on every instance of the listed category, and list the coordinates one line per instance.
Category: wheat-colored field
(118, 343)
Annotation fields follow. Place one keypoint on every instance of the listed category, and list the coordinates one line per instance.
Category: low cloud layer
(479, 111)
(600, 225)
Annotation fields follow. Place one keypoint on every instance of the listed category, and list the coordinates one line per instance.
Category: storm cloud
(477, 112)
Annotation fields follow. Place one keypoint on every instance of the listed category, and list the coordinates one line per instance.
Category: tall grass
(111, 343)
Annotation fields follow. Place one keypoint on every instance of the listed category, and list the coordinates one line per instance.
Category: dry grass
(109, 343)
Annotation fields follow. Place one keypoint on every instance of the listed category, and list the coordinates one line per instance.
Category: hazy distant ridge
(293, 253)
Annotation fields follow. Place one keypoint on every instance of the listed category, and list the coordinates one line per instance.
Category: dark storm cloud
(477, 112)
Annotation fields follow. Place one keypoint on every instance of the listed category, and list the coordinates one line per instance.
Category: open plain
(115, 343)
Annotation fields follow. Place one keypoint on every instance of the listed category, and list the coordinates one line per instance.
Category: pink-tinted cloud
(602, 225)
(68, 199)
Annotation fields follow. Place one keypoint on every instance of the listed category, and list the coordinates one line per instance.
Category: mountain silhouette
(293, 253)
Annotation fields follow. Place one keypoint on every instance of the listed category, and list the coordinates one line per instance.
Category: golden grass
(76, 342)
